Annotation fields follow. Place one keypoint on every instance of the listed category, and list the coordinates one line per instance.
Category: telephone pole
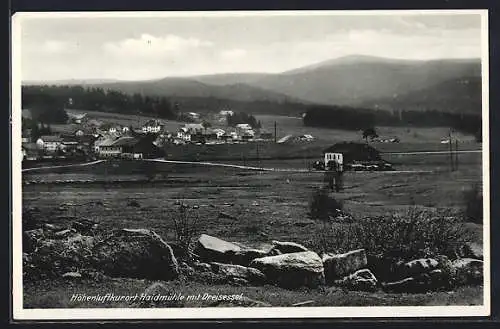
(275, 130)
(456, 154)
(451, 150)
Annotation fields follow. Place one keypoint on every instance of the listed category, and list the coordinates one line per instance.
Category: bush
(186, 225)
(418, 233)
(322, 206)
(473, 199)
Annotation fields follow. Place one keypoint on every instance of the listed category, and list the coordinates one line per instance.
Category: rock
(240, 302)
(54, 257)
(64, 233)
(292, 270)
(418, 266)
(468, 271)
(136, 253)
(245, 256)
(72, 275)
(158, 295)
(212, 249)
(280, 248)
(404, 285)
(50, 227)
(31, 238)
(384, 268)
(226, 215)
(361, 280)
(250, 274)
(85, 226)
(341, 265)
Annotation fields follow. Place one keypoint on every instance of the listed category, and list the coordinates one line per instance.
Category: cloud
(232, 54)
(56, 47)
(149, 46)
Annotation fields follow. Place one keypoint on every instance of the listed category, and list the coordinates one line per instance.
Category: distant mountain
(186, 87)
(461, 95)
(354, 80)
(230, 78)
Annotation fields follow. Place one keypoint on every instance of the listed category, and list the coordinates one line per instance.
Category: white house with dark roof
(49, 143)
(153, 126)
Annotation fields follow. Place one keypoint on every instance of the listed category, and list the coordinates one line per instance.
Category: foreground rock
(362, 280)
(251, 275)
(212, 249)
(245, 256)
(280, 248)
(468, 271)
(418, 266)
(292, 270)
(136, 253)
(340, 265)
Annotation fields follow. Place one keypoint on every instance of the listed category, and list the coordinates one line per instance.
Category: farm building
(49, 143)
(129, 147)
(353, 152)
(152, 126)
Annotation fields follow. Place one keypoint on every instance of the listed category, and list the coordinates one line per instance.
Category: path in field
(64, 166)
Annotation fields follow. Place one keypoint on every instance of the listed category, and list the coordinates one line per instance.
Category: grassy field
(262, 206)
(265, 206)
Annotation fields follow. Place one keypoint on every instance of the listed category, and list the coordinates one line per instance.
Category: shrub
(322, 206)
(186, 226)
(473, 199)
(416, 234)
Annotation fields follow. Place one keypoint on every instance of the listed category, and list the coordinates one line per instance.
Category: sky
(138, 48)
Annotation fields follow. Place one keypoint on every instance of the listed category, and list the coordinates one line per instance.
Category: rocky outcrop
(137, 253)
(244, 256)
(340, 265)
(212, 249)
(292, 270)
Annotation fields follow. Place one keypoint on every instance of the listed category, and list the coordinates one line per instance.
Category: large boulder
(252, 275)
(136, 253)
(341, 265)
(212, 249)
(54, 257)
(418, 266)
(468, 271)
(31, 238)
(245, 256)
(284, 247)
(361, 280)
(292, 270)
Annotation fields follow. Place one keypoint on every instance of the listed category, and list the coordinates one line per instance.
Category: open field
(262, 206)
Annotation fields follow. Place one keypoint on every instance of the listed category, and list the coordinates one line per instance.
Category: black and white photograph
(250, 164)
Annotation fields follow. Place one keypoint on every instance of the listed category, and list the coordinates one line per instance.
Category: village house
(263, 134)
(185, 133)
(49, 143)
(129, 147)
(153, 126)
(30, 151)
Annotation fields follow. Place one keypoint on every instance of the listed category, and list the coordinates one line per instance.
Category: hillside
(356, 80)
(185, 88)
(461, 95)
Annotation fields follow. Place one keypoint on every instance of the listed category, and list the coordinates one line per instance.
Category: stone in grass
(292, 270)
(212, 249)
(418, 266)
(252, 275)
(468, 271)
(245, 256)
(361, 280)
(338, 266)
(136, 253)
(285, 247)
(72, 275)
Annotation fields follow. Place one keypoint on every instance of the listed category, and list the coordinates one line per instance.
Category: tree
(370, 132)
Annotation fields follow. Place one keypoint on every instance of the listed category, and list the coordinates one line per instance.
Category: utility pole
(275, 130)
(456, 154)
(451, 150)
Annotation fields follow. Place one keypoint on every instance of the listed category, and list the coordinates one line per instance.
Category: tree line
(350, 118)
(242, 117)
(49, 102)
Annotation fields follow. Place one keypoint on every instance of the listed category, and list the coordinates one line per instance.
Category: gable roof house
(49, 143)
(153, 126)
